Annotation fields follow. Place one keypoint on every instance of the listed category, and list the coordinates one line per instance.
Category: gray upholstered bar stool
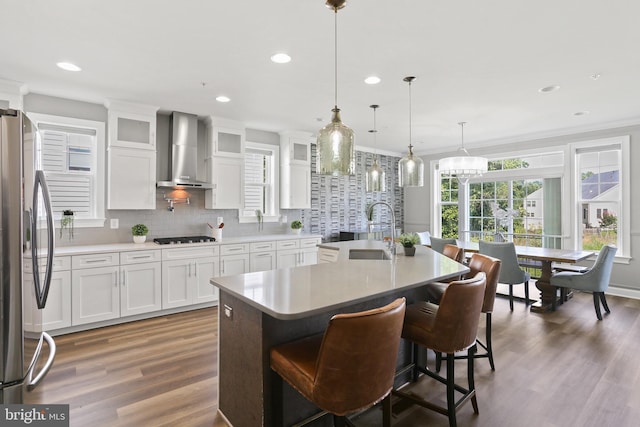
(447, 328)
(349, 368)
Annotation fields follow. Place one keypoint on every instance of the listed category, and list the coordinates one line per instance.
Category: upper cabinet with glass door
(132, 125)
(225, 137)
(295, 148)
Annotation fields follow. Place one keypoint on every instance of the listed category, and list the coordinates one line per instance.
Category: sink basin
(376, 254)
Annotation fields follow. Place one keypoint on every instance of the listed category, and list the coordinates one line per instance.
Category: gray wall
(624, 277)
(337, 203)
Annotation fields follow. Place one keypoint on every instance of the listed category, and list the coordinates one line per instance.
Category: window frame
(275, 155)
(99, 214)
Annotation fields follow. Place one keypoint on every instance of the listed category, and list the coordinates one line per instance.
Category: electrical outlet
(115, 223)
(284, 219)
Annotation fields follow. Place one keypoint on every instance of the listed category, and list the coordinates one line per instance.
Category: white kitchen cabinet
(131, 178)
(296, 253)
(140, 282)
(226, 174)
(132, 125)
(57, 311)
(262, 256)
(234, 259)
(295, 170)
(95, 295)
(186, 273)
(225, 137)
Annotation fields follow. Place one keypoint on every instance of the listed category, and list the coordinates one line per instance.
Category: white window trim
(248, 219)
(623, 256)
(99, 127)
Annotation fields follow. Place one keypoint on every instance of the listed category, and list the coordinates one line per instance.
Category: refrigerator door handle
(42, 291)
(31, 381)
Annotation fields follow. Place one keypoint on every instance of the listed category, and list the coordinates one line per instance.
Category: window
(71, 153)
(449, 207)
(602, 194)
(261, 185)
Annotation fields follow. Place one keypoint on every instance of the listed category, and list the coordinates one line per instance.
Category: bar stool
(447, 328)
(350, 367)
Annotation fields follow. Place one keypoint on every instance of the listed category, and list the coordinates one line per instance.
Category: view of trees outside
(449, 206)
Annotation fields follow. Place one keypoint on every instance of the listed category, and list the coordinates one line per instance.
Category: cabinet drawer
(189, 253)
(135, 257)
(309, 243)
(60, 263)
(95, 260)
(288, 244)
(263, 246)
(234, 249)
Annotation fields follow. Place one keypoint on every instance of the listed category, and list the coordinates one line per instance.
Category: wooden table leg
(547, 292)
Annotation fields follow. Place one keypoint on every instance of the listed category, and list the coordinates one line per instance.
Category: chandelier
(463, 166)
(410, 167)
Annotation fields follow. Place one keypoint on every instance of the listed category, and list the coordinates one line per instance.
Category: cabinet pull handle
(189, 270)
(141, 257)
(222, 267)
(195, 266)
(123, 279)
(115, 279)
(262, 255)
(90, 261)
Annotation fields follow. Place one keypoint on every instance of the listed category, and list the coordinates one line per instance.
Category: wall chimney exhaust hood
(183, 153)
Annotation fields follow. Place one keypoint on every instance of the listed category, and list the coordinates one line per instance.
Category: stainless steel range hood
(183, 154)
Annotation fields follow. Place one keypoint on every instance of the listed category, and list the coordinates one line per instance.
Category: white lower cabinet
(296, 253)
(185, 276)
(262, 261)
(95, 294)
(140, 288)
(57, 311)
(234, 259)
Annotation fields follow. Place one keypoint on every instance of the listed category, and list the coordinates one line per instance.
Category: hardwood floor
(559, 369)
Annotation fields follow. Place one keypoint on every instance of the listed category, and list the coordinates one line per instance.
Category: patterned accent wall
(339, 203)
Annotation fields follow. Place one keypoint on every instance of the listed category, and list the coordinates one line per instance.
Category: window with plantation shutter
(260, 183)
(71, 154)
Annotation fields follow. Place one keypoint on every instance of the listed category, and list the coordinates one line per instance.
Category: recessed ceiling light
(372, 80)
(68, 66)
(595, 76)
(581, 113)
(223, 98)
(548, 89)
(281, 58)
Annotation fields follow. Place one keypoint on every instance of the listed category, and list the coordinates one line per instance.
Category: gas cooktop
(181, 240)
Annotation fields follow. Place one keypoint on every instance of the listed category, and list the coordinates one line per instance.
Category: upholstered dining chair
(595, 280)
(437, 244)
(446, 328)
(350, 367)
(510, 271)
(425, 237)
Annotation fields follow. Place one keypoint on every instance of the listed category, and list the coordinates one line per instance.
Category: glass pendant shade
(376, 177)
(463, 166)
(336, 148)
(411, 170)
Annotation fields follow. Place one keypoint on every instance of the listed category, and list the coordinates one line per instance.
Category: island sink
(375, 254)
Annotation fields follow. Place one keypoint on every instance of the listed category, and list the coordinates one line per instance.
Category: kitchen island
(263, 309)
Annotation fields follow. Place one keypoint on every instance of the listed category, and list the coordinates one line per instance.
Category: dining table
(546, 257)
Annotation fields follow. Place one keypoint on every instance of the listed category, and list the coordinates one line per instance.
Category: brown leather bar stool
(447, 328)
(453, 252)
(350, 367)
(491, 268)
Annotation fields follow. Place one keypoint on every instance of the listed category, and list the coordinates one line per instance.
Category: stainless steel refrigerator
(26, 258)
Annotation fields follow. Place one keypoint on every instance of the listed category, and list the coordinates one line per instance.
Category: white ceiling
(476, 61)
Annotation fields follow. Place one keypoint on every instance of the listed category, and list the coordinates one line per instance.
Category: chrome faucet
(392, 245)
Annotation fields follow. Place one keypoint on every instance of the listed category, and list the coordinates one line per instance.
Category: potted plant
(139, 232)
(408, 241)
(296, 226)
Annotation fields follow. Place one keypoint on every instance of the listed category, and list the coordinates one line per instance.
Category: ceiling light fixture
(281, 58)
(410, 168)
(223, 98)
(548, 89)
(581, 113)
(463, 166)
(372, 80)
(68, 66)
(375, 177)
(335, 144)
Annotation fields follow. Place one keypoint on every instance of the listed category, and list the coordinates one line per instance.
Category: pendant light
(375, 176)
(335, 144)
(410, 167)
(463, 166)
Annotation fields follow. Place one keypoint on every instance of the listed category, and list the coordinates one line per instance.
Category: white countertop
(293, 293)
(149, 245)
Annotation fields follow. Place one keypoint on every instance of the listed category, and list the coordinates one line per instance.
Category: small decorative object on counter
(67, 222)
(139, 232)
(260, 219)
(296, 226)
(408, 241)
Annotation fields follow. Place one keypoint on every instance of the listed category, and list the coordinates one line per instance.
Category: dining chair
(437, 243)
(349, 368)
(425, 237)
(453, 252)
(510, 271)
(596, 280)
(446, 328)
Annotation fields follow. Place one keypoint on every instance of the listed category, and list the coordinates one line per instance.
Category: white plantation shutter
(68, 159)
(258, 185)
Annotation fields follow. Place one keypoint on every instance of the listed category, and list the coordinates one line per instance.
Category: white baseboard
(623, 292)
